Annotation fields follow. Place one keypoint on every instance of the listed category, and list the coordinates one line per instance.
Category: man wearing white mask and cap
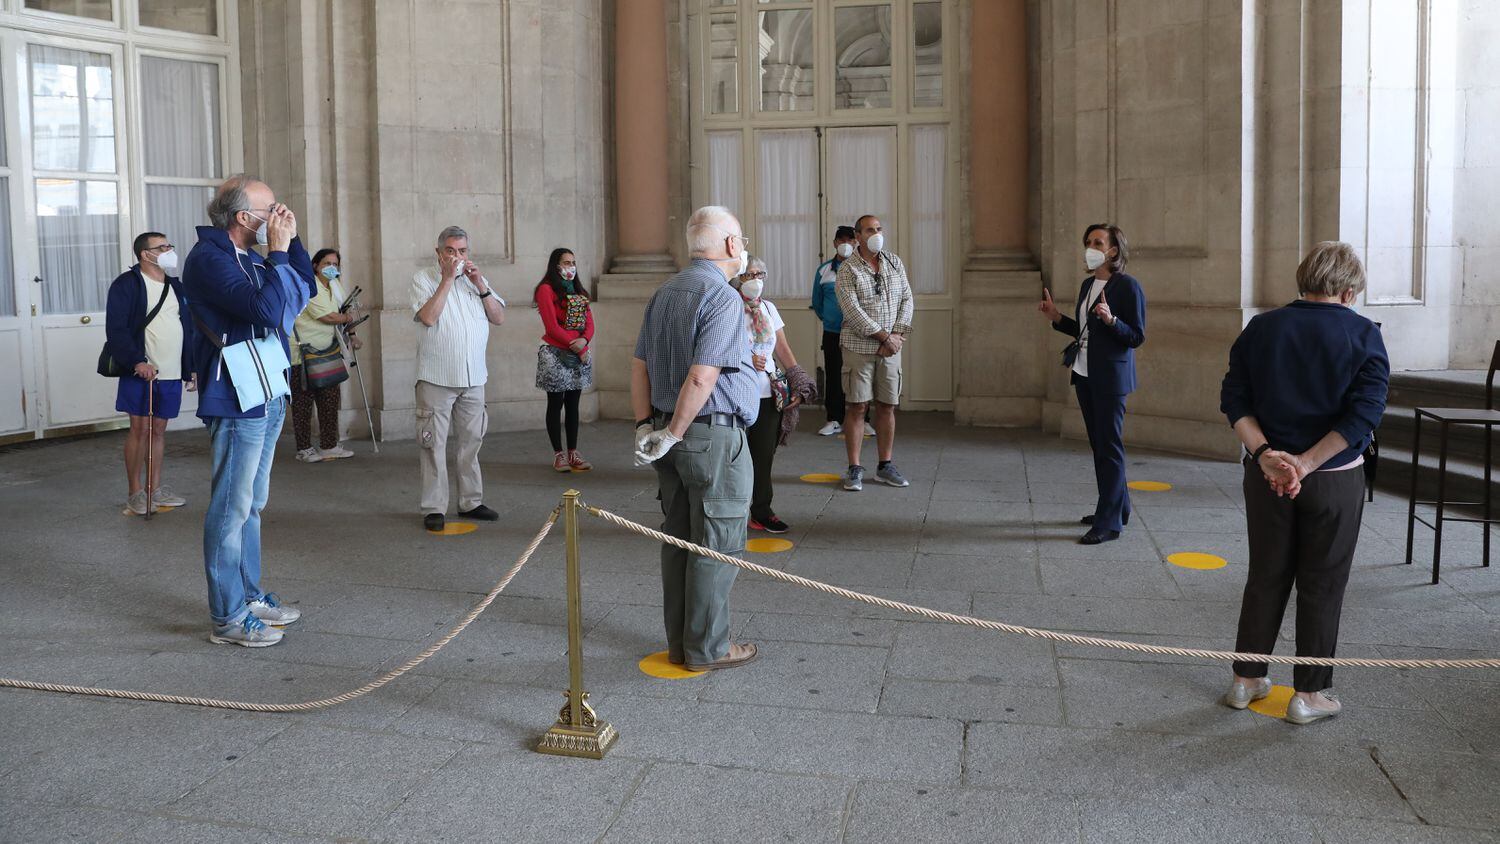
(145, 326)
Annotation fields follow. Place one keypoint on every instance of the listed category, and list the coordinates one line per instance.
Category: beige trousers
(436, 406)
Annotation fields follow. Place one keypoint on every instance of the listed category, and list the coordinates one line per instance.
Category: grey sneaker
(270, 610)
(890, 475)
(1301, 713)
(1240, 695)
(854, 479)
(250, 633)
(136, 504)
(338, 452)
(165, 497)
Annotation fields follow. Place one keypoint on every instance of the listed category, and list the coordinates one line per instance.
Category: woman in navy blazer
(1108, 325)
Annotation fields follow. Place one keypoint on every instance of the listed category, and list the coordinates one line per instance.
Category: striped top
(451, 352)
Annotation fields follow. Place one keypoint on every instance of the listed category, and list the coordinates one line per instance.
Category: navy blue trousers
(1104, 419)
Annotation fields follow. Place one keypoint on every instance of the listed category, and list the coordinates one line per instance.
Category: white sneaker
(250, 633)
(136, 504)
(310, 455)
(830, 428)
(869, 430)
(165, 497)
(270, 610)
(338, 452)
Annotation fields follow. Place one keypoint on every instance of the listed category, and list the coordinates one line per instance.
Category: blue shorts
(166, 397)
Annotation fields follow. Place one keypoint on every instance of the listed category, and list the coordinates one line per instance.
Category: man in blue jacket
(236, 295)
(825, 304)
(148, 330)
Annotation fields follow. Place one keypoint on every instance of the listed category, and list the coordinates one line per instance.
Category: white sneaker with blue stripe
(249, 633)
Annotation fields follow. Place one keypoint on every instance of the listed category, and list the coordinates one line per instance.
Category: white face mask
(167, 260)
(845, 250)
(458, 269)
(1093, 259)
(569, 273)
(262, 234)
(751, 288)
(744, 265)
(875, 243)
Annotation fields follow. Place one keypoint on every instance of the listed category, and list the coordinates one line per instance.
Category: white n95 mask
(167, 260)
(752, 288)
(875, 243)
(1093, 259)
(845, 250)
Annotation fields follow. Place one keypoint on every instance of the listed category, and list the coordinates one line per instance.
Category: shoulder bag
(107, 365)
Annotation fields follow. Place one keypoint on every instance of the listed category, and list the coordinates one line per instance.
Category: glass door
(17, 409)
(72, 121)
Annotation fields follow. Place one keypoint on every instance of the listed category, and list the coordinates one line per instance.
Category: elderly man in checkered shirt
(876, 300)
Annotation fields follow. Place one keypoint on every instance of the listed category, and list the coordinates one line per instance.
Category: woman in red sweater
(564, 363)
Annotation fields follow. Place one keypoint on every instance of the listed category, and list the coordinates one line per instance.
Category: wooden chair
(1446, 416)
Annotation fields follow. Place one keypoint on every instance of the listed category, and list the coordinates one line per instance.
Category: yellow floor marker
(1274, 704)
(1149, 486)
(821, 478)
(1196, 560)
(768, 546)
(656, 665)
(455, 529)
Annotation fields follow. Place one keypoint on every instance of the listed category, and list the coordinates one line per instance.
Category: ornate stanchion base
(591, 741)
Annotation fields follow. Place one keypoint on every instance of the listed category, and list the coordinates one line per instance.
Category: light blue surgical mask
(330, 272)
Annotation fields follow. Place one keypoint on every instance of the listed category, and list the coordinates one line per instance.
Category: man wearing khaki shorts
(876, 300)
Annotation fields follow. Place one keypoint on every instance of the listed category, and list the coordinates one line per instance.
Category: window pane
(72, 110)
(724, 171)
(96, 9)
(862, 47)
(7, 268)
(723, 63)
(786, 221)
(927, 264)
(78, 235)
(786, 61)
(200, 17)
(927, 41)
(180, 102)
(176, 211)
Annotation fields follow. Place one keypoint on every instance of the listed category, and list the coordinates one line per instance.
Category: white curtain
(180, 104)
(926, 263)
(787, 210)
(175, 211)
(862, 178)
(7, 269)
(724, 171)
(78, 236)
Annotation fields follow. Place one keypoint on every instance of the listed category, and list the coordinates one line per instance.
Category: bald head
(238, 206)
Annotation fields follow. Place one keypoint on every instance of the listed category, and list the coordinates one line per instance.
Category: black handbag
(1070, 354)
(107, 365)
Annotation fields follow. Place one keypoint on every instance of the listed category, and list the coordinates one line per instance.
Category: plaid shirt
(873, 303)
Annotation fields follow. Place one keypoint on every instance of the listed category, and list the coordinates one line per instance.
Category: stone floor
(856, 724)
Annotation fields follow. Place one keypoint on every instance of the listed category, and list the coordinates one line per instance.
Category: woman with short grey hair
(1305, 389)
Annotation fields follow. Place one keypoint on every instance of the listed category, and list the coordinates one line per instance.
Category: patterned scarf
(760, 325)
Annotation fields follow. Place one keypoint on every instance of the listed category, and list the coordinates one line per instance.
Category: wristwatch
(1264, 447)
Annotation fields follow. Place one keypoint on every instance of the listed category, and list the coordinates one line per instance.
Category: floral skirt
(559, 370)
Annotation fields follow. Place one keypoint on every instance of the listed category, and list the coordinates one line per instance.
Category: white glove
(657, 443)
(642, 431)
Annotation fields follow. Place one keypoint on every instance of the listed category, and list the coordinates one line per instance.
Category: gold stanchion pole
(578, 731)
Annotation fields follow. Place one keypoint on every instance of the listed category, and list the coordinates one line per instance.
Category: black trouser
(1308, 540)
(762, 437)
(833, 377)
(1104, 420)
(555, 404)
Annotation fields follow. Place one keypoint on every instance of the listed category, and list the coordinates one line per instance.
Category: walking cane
(150, 438)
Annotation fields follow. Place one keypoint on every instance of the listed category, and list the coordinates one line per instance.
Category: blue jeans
(242, 453)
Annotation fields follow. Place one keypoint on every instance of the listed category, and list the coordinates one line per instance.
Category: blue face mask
(330, 272)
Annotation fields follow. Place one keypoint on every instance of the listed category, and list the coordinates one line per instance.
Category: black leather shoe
(482, 513)
(1089, 519)
(1094, 537)
(433, 521)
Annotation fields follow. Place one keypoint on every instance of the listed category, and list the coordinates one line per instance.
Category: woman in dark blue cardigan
(1108, 325)
(1306, 387)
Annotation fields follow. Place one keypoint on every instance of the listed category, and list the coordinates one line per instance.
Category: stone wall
(382, 123)
(1476, 316)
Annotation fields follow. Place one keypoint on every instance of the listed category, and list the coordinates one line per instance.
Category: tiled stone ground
(857, 724)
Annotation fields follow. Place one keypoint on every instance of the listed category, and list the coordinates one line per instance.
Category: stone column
(1001, 283)
(640, 142)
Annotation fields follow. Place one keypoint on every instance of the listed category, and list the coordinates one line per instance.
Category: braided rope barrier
(311, 705)
(1033, 632)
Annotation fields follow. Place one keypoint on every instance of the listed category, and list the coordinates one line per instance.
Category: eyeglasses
(879, 290)
(162, 248)
(755, 274)
(728, 233)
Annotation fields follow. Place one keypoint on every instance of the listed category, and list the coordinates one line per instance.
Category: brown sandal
(738, 655)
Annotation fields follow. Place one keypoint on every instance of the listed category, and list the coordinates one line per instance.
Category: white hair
(755, 264)
(450, 233)
(708, 227)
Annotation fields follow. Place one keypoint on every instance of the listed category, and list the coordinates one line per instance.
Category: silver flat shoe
(1302, 713)
(1240, 695)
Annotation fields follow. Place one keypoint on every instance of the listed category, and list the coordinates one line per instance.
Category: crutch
(150, 439)
(354, 365)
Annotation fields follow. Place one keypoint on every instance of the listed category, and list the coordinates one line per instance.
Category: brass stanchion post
(578, 731)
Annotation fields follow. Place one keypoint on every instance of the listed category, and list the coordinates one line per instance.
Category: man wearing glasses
(146, 326)
(876, 300)
(694, 391)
